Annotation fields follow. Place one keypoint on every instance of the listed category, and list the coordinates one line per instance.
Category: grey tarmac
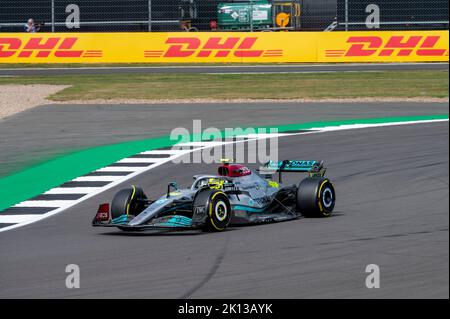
(44, 132)
(392, 210)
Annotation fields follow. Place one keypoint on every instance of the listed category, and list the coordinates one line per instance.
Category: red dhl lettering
(43, 47)
(218, 47)
(364, 46)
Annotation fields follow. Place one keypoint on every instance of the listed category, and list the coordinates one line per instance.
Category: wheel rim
(327, 197)
(221, 211)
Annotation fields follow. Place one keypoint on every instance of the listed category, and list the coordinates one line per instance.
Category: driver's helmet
(215, 183)
(212, 182)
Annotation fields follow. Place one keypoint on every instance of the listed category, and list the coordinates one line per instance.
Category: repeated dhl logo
(218, 47)
(364, 46)
(43, 48)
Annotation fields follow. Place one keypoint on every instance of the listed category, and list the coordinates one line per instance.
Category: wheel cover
(221, 211)
(327, 197)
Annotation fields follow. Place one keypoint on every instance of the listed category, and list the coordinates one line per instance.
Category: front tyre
(217, 207)
(316, 197)
(128, 202)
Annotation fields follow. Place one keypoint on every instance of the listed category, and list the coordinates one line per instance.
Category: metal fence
(392, 14)
(207, 15)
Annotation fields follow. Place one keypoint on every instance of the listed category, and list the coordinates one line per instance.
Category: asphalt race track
(43, 132)
(281, 68)
(392, 210)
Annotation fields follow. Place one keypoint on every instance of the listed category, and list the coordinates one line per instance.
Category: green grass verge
(385, 84)
(36, 180)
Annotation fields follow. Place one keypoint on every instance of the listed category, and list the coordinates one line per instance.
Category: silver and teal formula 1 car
(236, 196)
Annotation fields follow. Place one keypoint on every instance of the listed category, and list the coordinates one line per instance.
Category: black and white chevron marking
(81, 188)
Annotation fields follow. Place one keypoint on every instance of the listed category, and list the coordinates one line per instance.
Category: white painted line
(140, 160)
(14, 219)
(63, 205)
(199, 144)
(295, 72)
(264, 135)
(230, 66)
(97, 178)
(370, 125)
(73, 190)
(119, 169)
(165, 152)
(46, 203)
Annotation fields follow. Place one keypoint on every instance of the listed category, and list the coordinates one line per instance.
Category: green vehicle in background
(240, 15)
(260, 15)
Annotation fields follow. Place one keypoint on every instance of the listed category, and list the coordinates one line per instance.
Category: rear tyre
(316, 197)
(129, 202)
(217, 208)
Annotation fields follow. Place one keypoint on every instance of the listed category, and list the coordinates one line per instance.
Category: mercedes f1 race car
(236, 196)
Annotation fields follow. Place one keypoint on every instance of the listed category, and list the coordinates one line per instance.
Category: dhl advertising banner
(229, 47)
(387, 46)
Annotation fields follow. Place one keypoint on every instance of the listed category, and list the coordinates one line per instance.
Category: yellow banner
(387, 46)
(228, 47)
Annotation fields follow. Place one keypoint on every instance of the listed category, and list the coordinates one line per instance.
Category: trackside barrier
(240, 47)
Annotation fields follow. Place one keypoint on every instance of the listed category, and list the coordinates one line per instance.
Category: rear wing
(313, 168)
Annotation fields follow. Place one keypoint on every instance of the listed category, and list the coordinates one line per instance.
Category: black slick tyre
(316, 197)
(128, 201)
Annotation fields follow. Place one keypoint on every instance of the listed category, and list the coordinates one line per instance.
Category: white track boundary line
(19, 219)
(97, 178)
(119, 169)
(140, 160)
(230, 66)
(46, 203)
(317, 130)
(294, 72)
(72, 190)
